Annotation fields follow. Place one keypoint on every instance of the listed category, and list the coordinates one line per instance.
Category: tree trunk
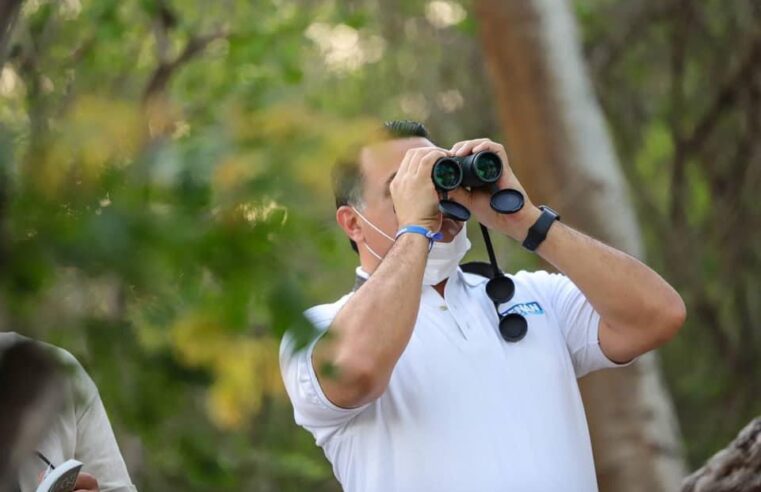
(561, 151)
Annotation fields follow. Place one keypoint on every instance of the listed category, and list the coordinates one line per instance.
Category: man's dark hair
(348, 181)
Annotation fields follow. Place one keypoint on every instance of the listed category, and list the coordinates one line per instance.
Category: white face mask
(443, 259)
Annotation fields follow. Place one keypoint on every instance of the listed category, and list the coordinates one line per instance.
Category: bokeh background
(165, 205)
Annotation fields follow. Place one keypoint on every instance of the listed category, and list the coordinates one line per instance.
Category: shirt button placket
(455, 312)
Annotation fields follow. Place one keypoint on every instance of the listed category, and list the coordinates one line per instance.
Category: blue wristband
(416, 229)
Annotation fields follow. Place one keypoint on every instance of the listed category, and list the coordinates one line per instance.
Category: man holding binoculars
(412, 387)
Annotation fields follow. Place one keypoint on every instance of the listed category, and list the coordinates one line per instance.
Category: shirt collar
(455, 283)
(472, 279)
(361, 277)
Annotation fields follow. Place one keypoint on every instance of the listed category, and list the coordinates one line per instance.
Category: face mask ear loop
(372, 252)
(377, 229)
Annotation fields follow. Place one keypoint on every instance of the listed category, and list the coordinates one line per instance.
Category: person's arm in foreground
(638, 309)
(372, 330)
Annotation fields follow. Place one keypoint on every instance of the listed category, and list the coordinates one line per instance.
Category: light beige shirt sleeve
(96, 445)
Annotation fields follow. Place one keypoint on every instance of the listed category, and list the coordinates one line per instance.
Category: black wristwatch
(538, 231)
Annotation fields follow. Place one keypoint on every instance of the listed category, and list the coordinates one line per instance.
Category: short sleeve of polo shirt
(311, 407)
(578, 320)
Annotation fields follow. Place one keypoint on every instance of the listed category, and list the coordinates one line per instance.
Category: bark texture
(737, 468)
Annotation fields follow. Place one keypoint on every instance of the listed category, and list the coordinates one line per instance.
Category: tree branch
(725, 97)
(679, 232)
(602, 56)
(9, 10)
(159, 81)
(734, 468)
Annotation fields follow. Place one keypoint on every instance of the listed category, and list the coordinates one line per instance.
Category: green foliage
(165, 211)
(167, 234)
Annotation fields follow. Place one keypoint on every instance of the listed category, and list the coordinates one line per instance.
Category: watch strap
(538, 232)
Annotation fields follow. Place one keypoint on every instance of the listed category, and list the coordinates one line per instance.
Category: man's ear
(349, 222)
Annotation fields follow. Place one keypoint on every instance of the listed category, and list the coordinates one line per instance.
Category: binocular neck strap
(490, 251)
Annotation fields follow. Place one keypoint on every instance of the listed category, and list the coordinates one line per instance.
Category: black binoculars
(482, 169)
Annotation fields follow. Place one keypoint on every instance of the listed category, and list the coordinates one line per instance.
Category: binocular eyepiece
(477, 170)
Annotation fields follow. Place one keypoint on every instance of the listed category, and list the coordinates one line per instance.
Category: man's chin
(450, 228)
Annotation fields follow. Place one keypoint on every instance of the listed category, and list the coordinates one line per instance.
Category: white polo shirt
(465, 410)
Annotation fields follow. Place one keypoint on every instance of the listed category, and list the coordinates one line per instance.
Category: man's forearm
(638, 308)
(372, 330)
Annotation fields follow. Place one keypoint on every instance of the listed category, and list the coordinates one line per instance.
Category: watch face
(548, 209)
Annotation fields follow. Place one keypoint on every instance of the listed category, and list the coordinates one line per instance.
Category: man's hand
(412, 190)
(86, 483)
(477, 200)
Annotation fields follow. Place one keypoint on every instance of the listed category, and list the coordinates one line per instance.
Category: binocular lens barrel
(487, 166)
(447, 174)
(472, 170)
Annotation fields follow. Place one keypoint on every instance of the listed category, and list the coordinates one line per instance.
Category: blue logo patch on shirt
(525, 309)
